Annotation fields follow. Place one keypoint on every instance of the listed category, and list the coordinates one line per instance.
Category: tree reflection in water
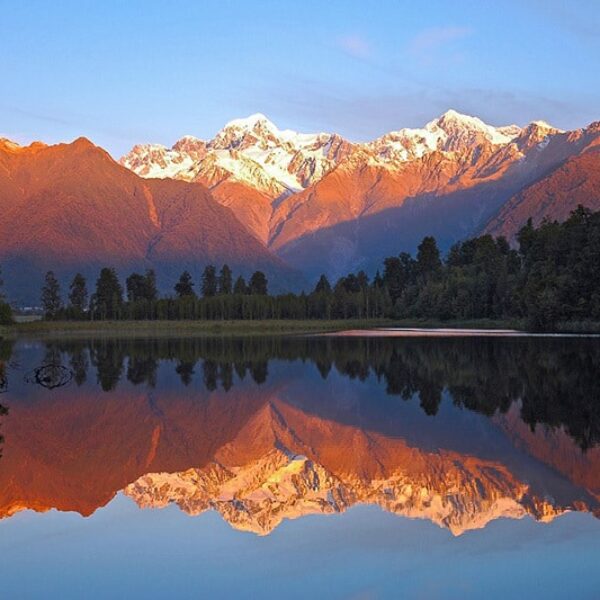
(555, 380)
(5, 354)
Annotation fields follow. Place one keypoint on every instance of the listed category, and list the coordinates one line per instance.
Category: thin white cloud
(580, 19)
(354, 45)
(362, 116)
(427, 43)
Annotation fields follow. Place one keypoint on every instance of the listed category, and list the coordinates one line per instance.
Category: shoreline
(447, 332)
(149, 329)
(69, 329)
(341, 327)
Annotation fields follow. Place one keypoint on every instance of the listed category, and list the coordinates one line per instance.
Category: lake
(340, 467)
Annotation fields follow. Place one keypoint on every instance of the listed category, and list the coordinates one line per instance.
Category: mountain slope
(336, 206)
(315, 201)
(251, 206)
(364, 210)
(576, 181)
(71, 207)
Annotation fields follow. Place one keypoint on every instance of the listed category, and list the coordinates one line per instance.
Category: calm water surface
(297, 467)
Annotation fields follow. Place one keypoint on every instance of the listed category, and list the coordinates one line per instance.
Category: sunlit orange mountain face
(459, 432)
(71, 207)
(322, 203)
(292, 204)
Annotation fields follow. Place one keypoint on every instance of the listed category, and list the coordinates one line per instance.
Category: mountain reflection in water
(457, 431)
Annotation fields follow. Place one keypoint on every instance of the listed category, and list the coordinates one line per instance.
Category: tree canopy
(553, 277)
(51, 300)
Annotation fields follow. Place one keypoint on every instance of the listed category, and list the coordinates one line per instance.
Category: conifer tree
(323, 286)
(240, 286)
(150, 290)
(258, 284)
(135, 285)
(108, 298)
(78, 294)
(209, 282)
(51, 300)
(185, 286)
(5, 309)
(225, 284)
(428, 257)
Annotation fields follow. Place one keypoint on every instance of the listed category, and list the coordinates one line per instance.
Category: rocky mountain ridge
(71, 207)
(323, 203)
(293, 204)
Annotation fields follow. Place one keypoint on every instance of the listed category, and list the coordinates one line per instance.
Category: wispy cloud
(354, 45)
(434, 37)
(428, 44)
(53, 127)
(362, 116)
(35, 115)
(580, 19)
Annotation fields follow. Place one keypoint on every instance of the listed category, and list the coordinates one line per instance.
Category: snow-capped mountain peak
(537, 133)
(240, 134)
(461, 129)
(450, 132)
(250, 150)
(250, 122)
(9, 144)
(189, 143)
(464, 120)
(545, 125)
(254, 151)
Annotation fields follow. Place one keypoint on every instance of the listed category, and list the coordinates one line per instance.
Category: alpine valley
(292, 204)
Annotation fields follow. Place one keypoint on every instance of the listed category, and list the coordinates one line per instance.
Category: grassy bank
(183, 328)
(83, 329)
(215, 328)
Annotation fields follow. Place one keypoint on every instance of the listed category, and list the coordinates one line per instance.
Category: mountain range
(292, 204)
(71, 207)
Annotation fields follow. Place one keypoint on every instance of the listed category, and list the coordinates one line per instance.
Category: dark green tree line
(5, 309)
(553, 277)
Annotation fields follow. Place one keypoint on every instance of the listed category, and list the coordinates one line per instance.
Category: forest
(553, 276)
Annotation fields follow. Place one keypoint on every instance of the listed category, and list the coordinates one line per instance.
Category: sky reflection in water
(274, 434)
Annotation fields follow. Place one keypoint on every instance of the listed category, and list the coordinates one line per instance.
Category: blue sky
(122, 551)
(127, 72)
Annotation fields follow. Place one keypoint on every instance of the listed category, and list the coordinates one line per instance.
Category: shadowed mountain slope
(575, 182)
